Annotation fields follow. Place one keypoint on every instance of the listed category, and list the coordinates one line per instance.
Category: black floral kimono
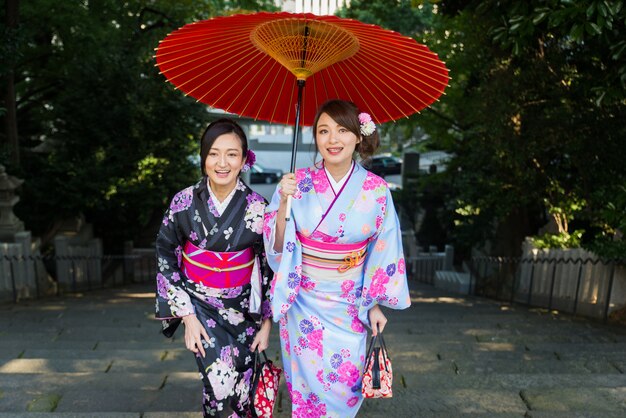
(227, 368)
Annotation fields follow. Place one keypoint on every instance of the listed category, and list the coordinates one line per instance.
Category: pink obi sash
(332, 261)
(217, 269)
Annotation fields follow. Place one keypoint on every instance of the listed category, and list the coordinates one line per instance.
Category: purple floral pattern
(227, 369)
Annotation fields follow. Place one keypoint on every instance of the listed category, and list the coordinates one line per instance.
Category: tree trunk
(9, 99)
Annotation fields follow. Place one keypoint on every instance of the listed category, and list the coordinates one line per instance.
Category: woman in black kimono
(210, 256)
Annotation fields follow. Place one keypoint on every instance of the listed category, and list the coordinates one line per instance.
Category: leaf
(619, 50)
(577, 32)
(603, 9)
(516, 48)
(591, 10)
(593, 28)
(599, 99)
(516, 19)
(537, 19)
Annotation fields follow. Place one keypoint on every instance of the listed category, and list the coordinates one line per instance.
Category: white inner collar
(221, 206)
(337, 185)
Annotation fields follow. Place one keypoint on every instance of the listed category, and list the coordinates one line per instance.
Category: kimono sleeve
(266, 274)
(286, 264)
(172, 300)
(269, 232)
(385, 281)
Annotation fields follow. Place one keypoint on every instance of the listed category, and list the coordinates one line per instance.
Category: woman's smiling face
(335, 143)
(224, 160)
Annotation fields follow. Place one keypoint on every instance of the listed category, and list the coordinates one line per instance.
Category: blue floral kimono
(321, 313)
(226, 370)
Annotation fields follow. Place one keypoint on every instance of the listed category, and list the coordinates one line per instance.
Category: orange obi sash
(217, 269)
(332, 261)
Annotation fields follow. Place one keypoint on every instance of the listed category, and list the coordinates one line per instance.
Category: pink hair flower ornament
(367, 126)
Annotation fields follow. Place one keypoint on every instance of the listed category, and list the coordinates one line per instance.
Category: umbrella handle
(288, 211)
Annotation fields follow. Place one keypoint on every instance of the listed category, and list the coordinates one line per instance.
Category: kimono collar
(337, 185)
(221, 206)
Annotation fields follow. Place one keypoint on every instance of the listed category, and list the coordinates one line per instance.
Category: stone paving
(100, 354)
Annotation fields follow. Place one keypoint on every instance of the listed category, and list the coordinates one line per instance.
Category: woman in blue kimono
(336, 261)
(210, 256)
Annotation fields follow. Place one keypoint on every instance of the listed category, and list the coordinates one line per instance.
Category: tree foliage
(533, 118)
(541, 105)
(102, 133)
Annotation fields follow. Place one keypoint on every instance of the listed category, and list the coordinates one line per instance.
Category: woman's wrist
(188, 317)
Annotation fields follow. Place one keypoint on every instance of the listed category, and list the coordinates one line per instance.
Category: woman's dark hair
(214, 130)
(346, 114)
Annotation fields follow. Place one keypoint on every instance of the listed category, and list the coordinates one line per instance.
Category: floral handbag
(377, 374)
(265, 382)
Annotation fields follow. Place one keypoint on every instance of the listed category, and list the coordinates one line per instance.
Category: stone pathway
(100, 354)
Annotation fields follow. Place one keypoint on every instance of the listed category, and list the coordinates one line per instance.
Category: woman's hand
(377, 320)
(262, 338)
(194, 332)
(287, 186)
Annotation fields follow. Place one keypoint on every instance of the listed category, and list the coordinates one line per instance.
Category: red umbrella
(245, 64)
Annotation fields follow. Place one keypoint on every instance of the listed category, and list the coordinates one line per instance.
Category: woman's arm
(287, 188)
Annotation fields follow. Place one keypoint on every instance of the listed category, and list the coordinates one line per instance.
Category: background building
(318, 7)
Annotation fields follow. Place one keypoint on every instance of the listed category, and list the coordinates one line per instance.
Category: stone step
(41, 366)
(165, 400)
(600, 400)
(509, 381)
(451, 402)
(81, 415)
(582, 413)
(62, 382)
(149, 356)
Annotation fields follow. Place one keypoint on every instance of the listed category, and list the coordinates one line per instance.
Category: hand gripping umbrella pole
(296, 130)
(294, 145)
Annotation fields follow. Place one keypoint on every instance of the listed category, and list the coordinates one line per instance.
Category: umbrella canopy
(247, 65)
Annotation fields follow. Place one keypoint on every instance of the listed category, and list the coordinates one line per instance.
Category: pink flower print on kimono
(380, 279)
(311, 407)
(320, 181)
(384, 281)
(348, 373)
(401, 266)
(373, 182)
(267, 224)
(312, 338)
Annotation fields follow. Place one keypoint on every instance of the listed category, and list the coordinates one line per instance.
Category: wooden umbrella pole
(296, 130)
(294, 145)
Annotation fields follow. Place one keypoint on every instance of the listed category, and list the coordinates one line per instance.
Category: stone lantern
(9, 223)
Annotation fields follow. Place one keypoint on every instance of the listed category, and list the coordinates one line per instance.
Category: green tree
(537, 107)
(532, 116)
(101, 131)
